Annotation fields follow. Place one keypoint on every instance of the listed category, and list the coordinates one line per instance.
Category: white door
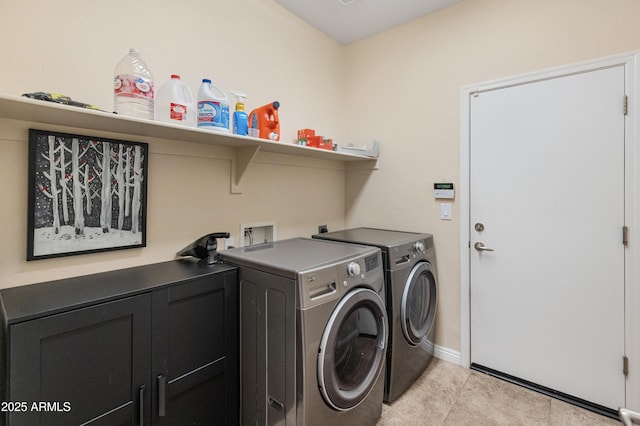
(547, 186)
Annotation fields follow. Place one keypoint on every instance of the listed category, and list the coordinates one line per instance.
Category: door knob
(480, 247)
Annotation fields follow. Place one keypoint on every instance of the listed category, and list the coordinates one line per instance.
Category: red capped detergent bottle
(264, 122)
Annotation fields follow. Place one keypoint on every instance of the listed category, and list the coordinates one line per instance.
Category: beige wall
(72, 47)
(403, 87)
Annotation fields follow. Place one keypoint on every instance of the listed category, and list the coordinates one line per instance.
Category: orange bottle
(264, 123)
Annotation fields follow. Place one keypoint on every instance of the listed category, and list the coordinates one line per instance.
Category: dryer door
(418, 308)
(352, 349)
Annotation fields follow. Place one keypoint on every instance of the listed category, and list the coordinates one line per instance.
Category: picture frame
(86, 194)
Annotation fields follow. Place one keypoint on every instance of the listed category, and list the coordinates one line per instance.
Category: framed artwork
(86, 194)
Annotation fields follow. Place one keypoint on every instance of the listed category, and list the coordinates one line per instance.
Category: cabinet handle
(141, 405)
(162, 395)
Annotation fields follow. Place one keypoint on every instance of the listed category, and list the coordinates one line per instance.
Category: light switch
(445, 211)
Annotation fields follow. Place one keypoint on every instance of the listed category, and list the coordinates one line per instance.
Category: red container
(326, 144)
(304, 135)
(308, 137)
(314, 141)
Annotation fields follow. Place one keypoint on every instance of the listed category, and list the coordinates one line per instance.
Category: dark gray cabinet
(87, 363)
(189, 362)
(156, 344)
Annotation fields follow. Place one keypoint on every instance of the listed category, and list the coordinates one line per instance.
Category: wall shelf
(26, 109)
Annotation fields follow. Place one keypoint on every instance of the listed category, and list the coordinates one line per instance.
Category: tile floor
(447, 394)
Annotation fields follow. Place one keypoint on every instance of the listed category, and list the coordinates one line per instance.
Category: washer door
(418, 309)
(352, 349)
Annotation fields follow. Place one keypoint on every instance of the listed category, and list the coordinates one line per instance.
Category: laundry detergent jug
(264, 122)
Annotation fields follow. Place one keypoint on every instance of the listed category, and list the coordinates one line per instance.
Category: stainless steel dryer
(313, 332)
(411, 295)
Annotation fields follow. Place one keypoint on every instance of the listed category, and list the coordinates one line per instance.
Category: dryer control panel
(405, 255)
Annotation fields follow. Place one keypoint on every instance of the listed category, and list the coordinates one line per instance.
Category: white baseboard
(447, 354)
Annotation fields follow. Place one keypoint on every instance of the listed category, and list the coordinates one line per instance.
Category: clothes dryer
(313, 332)
(411, 297)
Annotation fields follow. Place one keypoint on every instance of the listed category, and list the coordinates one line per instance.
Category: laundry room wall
(73, 46)
(403, 88)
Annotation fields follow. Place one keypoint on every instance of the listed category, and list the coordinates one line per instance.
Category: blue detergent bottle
(240, 117)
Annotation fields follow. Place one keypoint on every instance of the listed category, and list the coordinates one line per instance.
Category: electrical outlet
(322, 229)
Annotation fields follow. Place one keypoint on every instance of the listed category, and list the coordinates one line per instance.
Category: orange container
(326, 144)
(320, 142)
(264, 122)
(304, 135)
(314, 141)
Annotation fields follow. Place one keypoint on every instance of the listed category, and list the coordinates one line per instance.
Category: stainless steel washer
(313, 332)
(411, 294)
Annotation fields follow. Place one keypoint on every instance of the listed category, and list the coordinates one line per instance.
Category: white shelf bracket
(239, 165)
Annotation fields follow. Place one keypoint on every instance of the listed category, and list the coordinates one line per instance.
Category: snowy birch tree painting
(86, 194)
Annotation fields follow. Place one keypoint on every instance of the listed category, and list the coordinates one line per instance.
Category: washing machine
(411, 297)
(313, 333)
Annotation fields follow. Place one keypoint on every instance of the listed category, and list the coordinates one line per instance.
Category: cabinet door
(195, 355)
(85, 365)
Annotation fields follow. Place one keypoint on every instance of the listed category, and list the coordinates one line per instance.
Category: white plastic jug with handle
(175, 104)
(213, 108)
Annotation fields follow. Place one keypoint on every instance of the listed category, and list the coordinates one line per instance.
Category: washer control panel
(361, 271)
(331, 282)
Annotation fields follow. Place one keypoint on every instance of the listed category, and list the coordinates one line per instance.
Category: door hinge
(625, 235)
(625, 107)
(625, 365)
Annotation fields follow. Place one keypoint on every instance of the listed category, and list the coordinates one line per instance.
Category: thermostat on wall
(443, 190)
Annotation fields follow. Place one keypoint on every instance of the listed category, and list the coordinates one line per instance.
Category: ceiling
(347, 21)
